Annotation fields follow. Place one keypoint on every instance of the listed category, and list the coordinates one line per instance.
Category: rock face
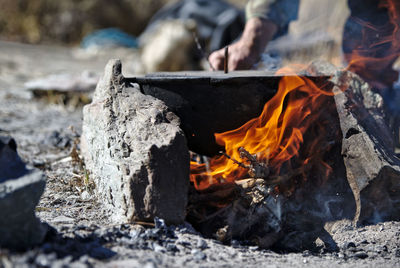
(135, 151)
(373, 170)
(20, 191)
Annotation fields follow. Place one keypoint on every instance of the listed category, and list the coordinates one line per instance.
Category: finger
(216, 60)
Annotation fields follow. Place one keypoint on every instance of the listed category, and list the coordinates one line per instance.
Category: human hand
(241, 57)
(245, 53)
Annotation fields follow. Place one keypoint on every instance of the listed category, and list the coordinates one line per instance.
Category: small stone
(158, 248)
(198, 255)
(38, 163)
(235, 243)
(350, 245)
(361, 255)
(253, 248)
(62, 219)
(83, 258)
(76, 264)
(85, 196)
(69, 259)
(201, 244)
(101, 253)
(43, 260)
(150, 265)
(172, 248)
(159, 223)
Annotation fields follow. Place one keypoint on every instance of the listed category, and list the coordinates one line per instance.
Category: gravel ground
(80, 233)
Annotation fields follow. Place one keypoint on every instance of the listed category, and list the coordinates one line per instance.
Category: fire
(273, 138)
(377, 48)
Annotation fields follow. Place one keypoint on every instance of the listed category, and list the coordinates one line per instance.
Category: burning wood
(287, 187)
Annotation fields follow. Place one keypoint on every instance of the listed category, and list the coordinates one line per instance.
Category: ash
(80, 233)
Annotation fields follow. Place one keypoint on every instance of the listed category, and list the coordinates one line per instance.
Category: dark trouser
(371, 42)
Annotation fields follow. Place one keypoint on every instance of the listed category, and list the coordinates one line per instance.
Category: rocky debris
(135, 152)
(161, 245)
(20, 191)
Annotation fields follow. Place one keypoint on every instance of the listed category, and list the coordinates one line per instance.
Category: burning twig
(240, 164)
(257, 169)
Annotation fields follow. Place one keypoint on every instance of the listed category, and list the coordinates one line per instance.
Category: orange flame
(274, 137)
(378, 49)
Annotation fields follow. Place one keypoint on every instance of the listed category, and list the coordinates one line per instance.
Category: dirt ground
(81, 234)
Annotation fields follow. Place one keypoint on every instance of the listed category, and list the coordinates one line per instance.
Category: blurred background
(316, 34)
(57, 50)
(67, 22)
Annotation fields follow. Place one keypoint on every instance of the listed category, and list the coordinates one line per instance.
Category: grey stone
(198, 255)
(20, 191)
(361, 255)
(135, 152)
(201, 244)
(372, 168)
(11, 165)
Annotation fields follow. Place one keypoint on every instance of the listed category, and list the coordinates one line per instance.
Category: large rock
(135, 151)
(372, 168)
(20, 191)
